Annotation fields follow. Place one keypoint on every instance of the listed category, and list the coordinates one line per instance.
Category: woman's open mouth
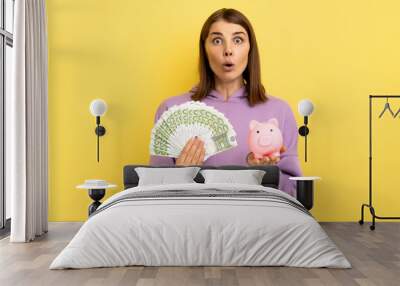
(228, 67)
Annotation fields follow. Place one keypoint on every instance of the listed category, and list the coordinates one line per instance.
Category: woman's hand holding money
(192, 154)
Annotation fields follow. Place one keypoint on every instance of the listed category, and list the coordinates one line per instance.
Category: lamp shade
(305, 107)
(98, 107)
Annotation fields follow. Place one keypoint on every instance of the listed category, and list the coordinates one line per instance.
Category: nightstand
(97, 190)
(305, 190)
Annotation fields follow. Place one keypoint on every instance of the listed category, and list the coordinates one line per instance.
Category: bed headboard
(270, 179)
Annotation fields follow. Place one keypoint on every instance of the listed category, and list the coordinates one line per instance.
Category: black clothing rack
(371, 208)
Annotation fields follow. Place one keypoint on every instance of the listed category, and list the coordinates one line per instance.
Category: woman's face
(227, 47)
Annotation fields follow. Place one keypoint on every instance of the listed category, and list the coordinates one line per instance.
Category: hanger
(387, 107)
(398, 111)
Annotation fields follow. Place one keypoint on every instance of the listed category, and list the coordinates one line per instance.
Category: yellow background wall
(134, 54)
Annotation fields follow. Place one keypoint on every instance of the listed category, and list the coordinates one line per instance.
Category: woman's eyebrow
(219, 33)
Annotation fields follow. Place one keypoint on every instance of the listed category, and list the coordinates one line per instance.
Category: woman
(230, 81)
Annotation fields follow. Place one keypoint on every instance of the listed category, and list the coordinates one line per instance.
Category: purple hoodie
(240, 113)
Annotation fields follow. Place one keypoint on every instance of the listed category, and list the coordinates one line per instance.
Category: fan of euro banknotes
(181, 122)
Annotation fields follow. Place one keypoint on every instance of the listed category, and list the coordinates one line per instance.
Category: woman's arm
(161, 160)
(289, 162)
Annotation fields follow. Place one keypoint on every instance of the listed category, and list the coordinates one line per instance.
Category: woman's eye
(238, 40)
(217, 41)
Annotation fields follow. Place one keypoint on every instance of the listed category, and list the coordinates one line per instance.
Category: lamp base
(100, 130)
(303, 130)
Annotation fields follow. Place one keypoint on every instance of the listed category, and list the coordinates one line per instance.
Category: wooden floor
(374, 255)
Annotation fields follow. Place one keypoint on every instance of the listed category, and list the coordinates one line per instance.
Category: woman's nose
(228, 53)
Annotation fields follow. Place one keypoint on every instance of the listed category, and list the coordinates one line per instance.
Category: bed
(201, 224)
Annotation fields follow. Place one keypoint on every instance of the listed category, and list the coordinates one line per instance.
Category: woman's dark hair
(252, 74)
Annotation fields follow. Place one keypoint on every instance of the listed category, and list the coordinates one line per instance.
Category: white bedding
(182, 231)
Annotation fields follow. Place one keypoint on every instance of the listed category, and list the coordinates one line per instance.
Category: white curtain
(26, 123)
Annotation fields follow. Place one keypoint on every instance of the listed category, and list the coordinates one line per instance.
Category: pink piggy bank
(265, 138)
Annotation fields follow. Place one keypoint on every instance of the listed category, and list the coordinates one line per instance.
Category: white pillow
(163, 176)
(249, 177)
